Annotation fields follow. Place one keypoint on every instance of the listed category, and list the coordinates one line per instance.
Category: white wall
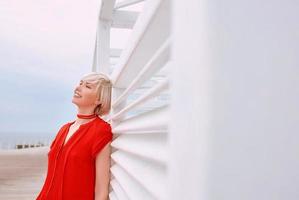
(234, 130)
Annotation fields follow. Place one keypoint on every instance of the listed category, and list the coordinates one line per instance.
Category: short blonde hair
(104, 91)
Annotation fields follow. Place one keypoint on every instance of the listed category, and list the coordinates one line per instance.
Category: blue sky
(45, 47)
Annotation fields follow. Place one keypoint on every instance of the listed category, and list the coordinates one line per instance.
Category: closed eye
(85, 85)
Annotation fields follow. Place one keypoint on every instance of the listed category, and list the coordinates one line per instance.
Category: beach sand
(22, 173)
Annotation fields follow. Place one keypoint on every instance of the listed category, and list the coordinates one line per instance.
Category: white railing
(140, 104)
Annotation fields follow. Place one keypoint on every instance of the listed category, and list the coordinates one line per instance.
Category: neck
(85, 110)
(81, 111)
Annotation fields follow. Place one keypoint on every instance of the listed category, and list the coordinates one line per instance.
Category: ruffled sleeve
(102, 137)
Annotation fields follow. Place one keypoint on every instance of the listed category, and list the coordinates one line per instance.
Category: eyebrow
(87, 82)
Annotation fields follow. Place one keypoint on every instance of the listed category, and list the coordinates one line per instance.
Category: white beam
(126, 3)
(103, 46)
(150, 31)
(102, 50)
(157, 61)
(106, 9)
(124, 19)
(156, 119)
(94, 62)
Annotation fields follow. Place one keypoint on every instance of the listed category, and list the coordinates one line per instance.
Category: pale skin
(86, 102)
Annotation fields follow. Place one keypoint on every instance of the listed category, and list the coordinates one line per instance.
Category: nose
(77, 88)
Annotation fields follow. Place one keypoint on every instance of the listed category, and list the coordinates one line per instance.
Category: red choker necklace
(81, 116)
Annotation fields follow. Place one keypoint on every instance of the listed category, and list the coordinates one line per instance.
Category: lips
(76, 94)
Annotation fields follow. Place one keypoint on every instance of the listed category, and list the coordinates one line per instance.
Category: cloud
(45, 47)
(48, 37)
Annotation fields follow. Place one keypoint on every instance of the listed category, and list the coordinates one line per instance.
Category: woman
(79, 156)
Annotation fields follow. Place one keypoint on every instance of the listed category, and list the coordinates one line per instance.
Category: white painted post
(234, 128)
(103, 46)
(103, 36)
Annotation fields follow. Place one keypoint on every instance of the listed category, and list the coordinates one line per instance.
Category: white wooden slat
(126, 3)
(151, 93)
(151, 146)
(165, 71)
(156, 62)
(150, 31)
(119, 192)
(124, 19)
(132, 188)
(151, 176)
(156, 119)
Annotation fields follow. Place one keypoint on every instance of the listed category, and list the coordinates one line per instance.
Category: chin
(77, 102)
(74, 100)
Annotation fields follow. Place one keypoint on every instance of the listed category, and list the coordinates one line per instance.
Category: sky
(45, 48)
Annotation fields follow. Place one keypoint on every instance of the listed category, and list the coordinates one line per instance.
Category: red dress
(71, 167)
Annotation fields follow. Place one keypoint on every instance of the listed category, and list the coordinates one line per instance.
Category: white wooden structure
(140, 96)
(225, 77)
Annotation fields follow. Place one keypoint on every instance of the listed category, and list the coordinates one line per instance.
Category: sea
(9, 140)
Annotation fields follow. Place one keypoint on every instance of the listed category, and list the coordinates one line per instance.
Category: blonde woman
(79, 156)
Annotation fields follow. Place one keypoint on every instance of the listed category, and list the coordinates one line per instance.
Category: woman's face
(85, 94)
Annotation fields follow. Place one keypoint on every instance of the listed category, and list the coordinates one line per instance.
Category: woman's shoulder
(102, 123)
(103, 126)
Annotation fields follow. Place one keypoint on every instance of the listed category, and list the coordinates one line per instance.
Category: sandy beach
(22, 173)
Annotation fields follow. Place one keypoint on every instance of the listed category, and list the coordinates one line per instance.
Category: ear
(97, 102)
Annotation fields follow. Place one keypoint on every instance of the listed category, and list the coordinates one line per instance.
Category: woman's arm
(103, 173)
